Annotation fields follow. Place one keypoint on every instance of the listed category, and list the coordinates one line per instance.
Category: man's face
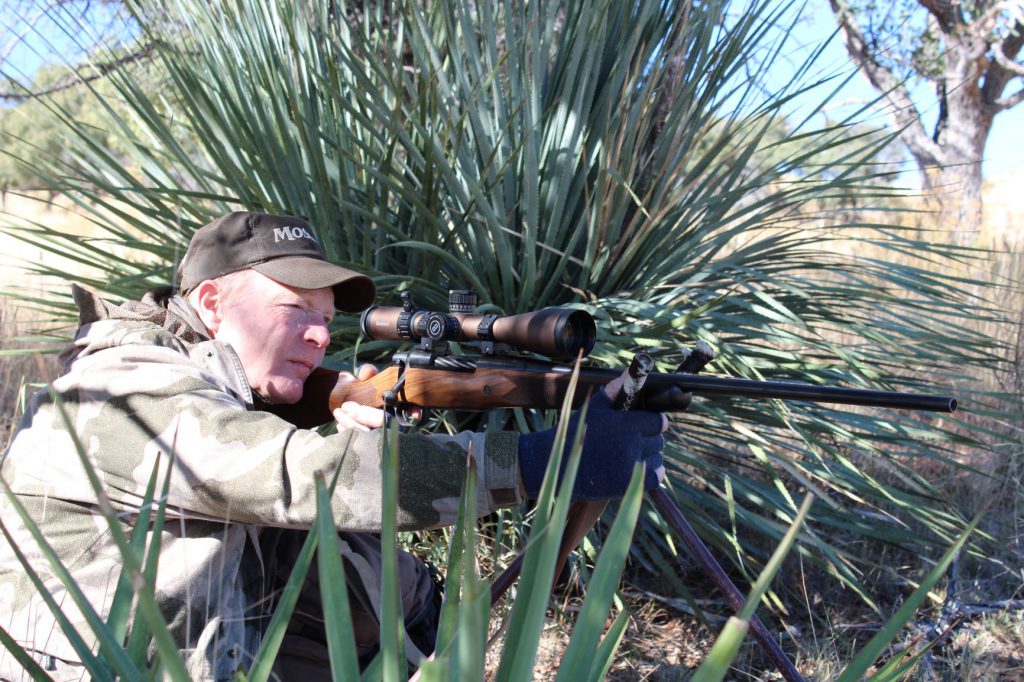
(279, 333)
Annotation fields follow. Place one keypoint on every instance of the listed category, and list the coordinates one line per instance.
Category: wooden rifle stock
(456, 382)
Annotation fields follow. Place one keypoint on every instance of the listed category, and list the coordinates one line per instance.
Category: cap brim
(353, 292)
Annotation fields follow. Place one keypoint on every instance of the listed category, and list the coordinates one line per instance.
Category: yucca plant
(622, 157)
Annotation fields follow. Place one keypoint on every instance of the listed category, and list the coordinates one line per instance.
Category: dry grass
(660, 644)
(58, 214)
(18, 373)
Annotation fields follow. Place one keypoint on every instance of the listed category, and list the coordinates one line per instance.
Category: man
(187, 375)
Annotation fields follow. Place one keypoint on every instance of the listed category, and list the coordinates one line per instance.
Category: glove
(613, 443)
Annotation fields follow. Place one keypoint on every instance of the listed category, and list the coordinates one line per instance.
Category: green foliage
(615, 156)
(38, 127)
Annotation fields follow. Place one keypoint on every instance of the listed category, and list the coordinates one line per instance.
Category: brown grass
(19, 374)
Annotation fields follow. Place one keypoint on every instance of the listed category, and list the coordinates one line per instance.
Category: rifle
(432, 376)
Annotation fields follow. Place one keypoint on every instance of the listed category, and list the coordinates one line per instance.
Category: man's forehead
(277, 292)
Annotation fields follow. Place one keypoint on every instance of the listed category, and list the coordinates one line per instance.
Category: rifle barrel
(784, 390)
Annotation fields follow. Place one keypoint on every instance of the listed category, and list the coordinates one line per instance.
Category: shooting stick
(583, 515)
(678, 523)
(581, 520)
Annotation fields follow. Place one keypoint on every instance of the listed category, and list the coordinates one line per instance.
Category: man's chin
(282, 393)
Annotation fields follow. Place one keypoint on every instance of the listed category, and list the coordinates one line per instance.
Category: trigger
(408, 418)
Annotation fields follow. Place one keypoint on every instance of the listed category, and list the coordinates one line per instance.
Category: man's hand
(613, 442)
(352, 415)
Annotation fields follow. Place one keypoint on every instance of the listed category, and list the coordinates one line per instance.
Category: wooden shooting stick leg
(582, 516)
(675, 519)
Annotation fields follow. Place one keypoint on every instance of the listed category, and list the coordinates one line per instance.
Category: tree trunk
(951, 168)
(953, 196)
(977, 63)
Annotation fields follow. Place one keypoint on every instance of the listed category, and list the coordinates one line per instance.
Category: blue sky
(53, 36)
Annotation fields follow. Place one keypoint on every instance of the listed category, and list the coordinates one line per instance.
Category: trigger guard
(405, 418)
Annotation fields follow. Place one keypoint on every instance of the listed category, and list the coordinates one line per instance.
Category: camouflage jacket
(142, 382)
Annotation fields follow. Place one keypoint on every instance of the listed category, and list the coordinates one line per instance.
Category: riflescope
(555, 332)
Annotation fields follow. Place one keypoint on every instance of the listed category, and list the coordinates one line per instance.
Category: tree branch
(1004, 103)
(893, 89)
(1005, 67)
(945, 12)
(102, 69)
(1004, 60)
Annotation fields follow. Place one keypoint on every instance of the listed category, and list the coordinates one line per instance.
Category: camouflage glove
(613, 442)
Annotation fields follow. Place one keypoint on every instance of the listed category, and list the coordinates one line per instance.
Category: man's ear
(206, 299)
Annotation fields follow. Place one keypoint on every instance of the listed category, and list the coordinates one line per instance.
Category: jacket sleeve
(135, 406)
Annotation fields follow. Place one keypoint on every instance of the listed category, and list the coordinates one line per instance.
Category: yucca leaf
(586, 634)
(392, 625)
(141, 633)
(462, 626)
(341, 639)
(527, 615)
(604, 656)
(91, 662)
(117, 617)
(28, 664)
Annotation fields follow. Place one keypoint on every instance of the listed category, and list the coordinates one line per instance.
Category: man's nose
(319, 335)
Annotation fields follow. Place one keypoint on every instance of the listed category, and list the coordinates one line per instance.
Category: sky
(1002, 154)
(30, 38)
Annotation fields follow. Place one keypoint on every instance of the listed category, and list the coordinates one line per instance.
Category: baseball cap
(284, 248)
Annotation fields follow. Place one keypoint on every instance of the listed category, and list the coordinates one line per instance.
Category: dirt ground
(663, 645)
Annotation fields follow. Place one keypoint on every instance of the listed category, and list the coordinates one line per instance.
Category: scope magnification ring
(402, 325)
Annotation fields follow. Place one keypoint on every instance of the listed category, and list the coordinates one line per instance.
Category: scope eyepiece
(554, 332)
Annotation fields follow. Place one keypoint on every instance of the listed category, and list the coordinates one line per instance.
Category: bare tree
(968, 53)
